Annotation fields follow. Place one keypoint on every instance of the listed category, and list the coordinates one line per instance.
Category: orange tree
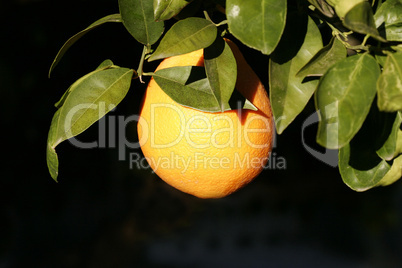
(346, 54)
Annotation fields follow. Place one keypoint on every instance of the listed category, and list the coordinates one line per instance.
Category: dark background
(102, 214)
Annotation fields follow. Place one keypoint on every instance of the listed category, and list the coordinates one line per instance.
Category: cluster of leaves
(355, 75)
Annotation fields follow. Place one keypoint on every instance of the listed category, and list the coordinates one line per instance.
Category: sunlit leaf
(388, 20)
(343, 98)
(76, 37)
(389, 84)
(166, 9)
(189, 86)
(138, 18)
(257, 23)
(185, 36)
(323, 59)
(289, 94)
(88, 100)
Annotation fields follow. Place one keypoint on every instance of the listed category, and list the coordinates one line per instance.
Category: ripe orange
(208, 155)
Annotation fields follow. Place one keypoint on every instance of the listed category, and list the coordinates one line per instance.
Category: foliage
(354, 72)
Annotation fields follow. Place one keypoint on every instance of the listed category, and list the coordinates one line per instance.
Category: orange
(208, 155)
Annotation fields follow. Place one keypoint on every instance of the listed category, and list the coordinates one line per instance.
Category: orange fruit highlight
(208, 155)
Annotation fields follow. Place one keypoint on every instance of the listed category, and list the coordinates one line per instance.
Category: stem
(365, 40)
(139, 70)
(147, 74)
(216, 24)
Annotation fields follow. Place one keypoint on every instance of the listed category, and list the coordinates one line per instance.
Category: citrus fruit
(208, 155)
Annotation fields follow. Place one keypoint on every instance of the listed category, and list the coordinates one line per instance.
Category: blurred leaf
(185, 36)
(393, 145)
(323, 59)
(342, 7)
(343, 97)
(138, 18)
(221, 70)
(360, 19)
(73, 39)
(88, 100)
(323, 7)
(360, 179)
(380, 57)
(289, 94)
(389, 84)
(257, 23)
(388, 20)
(166, 9)
(189, 86)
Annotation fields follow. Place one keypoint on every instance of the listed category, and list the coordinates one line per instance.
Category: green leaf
(221, 70)
(360, 19)
(389, 84)
(360, 179)
(323, 59)
(394, 174)
(166, 9)
(185, 36)
(323, 7)
(359, 164)
(388, 20)
(343, 98)
(138, 18)
(51, 155)
(380, 57)
(393, 145)
(104, 65)
(342, 7)
(73, 39)
(88, 100)
(258, 24)
(189, 86)
(289, 94)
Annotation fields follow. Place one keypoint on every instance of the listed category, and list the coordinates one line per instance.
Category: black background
(102, 214)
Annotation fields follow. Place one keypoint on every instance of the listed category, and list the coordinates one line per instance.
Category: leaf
(394, 174)
(189, 86)
(88, 100)
(360, 19)
(74, 38)
(359, 164)
(258, 24)
(104, 65)
(393, 145)
(343, 98)
(389, 84)
(185, 36)
(360, 179)
(323, 59)
(166, 9)
(323, 7)
(221, 70)
(138, 18)
(388, 20)
(289, 94)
